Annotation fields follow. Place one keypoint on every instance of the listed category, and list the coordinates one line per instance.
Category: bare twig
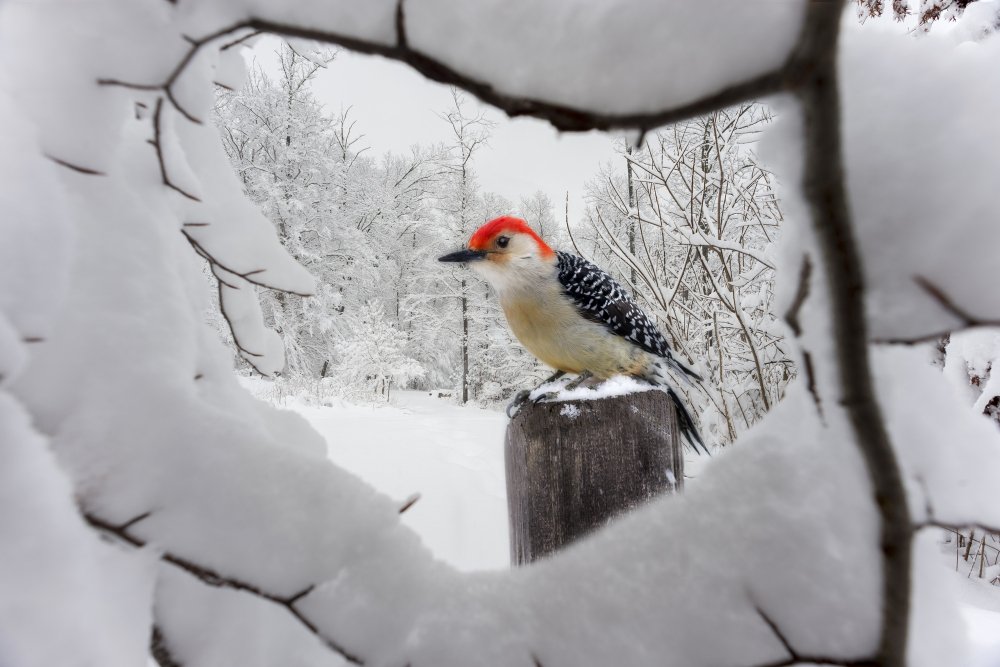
(807, 363)
(250, 276)
(240, 40)
(248, 354)
(409, 502)
(76, 167)
(954, 527)
(157, 143)
(167, 86)
(796, 658)
(801, 294)
(966, 319)
(212, 578)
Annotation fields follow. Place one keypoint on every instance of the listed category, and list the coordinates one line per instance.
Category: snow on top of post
(618, 385)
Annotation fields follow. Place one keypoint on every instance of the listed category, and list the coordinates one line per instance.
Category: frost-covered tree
(460, 207)
(373, 355)
(537, 212)
(282, 145)
(344, 215)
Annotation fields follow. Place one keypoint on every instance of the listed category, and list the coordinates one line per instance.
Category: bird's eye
(502, 242)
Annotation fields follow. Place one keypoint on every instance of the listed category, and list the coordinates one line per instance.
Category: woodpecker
(571, 314)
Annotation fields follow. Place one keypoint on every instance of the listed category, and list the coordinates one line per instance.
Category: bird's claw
(547, 396)
(520, 398)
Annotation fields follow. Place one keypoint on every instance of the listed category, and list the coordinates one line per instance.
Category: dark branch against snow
(215, 579)
(966, 319)
(824, 188)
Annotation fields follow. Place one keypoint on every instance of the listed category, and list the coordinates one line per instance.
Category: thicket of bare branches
(688, 221)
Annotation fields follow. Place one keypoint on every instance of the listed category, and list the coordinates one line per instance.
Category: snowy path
(452, 456)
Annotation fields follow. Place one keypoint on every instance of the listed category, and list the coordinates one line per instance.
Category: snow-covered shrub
(373, 355)
(972, 363)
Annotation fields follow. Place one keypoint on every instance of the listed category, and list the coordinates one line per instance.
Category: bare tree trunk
(465, 346)
(631, 217)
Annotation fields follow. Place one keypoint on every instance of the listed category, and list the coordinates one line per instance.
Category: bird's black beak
(463, 256)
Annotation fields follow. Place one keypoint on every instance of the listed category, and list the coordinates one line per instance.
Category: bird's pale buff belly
(552, 330)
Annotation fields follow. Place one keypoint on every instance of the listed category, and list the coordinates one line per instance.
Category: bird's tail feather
(686, 424)
(683, 370)
(661, 376)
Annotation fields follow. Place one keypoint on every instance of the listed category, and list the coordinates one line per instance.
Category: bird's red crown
(506, 224)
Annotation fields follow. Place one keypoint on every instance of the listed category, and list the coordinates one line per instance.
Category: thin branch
(247, 275)
(796, 658)
(157, 142)
(810, 371)
(214, 579)
(801, 294)
(237, 42)
(966, 319)
(409, 502)
(954, 526)
(76, 167)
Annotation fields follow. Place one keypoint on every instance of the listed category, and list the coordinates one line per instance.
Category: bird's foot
(520, 398)
(580, 379)
(523, 396)
(547, 396)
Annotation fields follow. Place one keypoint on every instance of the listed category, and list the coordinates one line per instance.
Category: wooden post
(573, 465)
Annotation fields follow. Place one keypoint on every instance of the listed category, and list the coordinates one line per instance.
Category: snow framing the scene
(152, 504)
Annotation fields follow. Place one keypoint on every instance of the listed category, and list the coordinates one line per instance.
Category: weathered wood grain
(574, 465)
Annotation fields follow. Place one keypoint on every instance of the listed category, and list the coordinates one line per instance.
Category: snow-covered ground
(453, 457)
(981, 613)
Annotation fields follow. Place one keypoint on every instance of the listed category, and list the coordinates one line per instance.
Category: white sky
(397, 107)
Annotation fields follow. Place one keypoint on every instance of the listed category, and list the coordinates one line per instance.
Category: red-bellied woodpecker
(571, 314)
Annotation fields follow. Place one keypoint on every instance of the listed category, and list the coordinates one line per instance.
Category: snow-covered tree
(460, 206)
(373, 354)
(345, 216)
(537, 212)
(688, 221)
(986, 15)
(282, 145)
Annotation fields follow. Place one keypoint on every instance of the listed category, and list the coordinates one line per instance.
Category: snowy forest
(687, 223)
(248, 418)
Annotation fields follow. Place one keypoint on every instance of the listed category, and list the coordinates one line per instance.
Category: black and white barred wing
(599, 298)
